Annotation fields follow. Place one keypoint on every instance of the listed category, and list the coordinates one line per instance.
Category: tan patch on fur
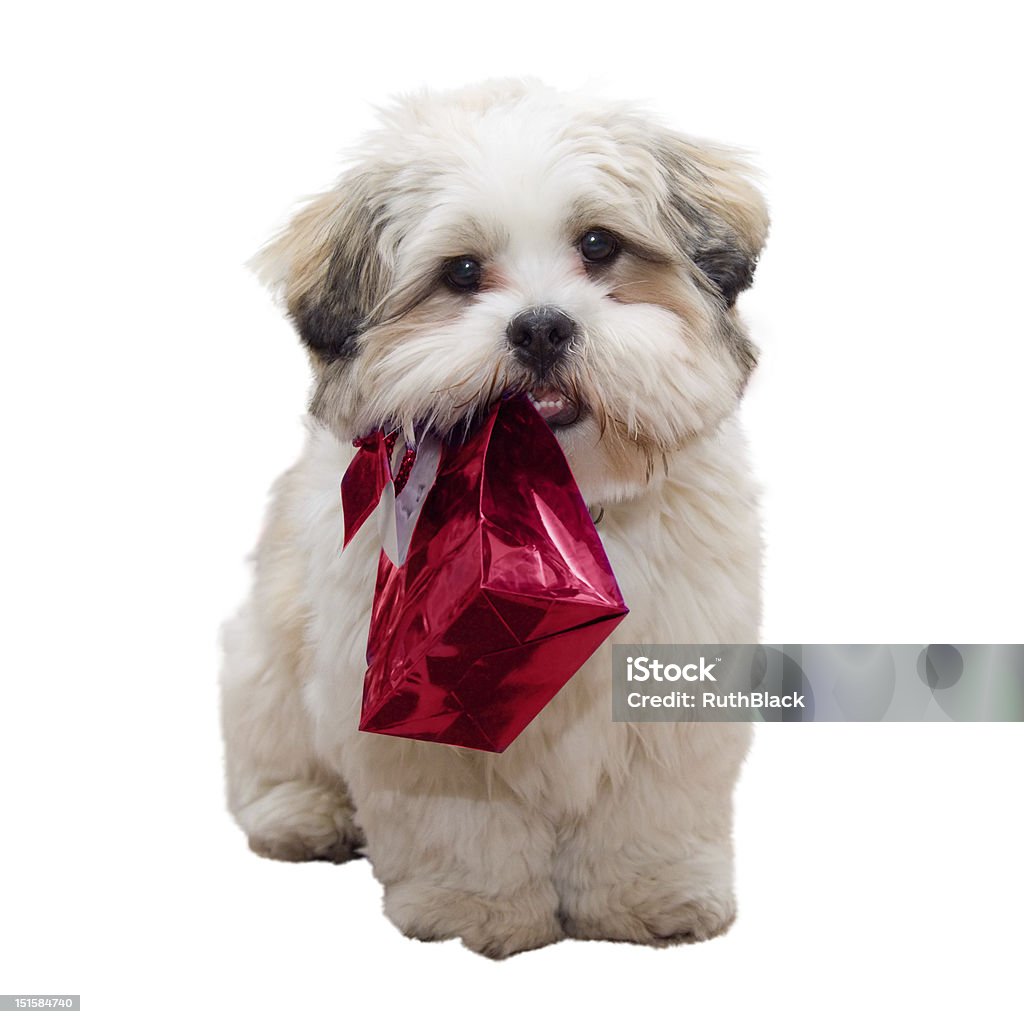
(297, 259)
(335, 399)
(437, 309)
(493, 279)
(659, 284)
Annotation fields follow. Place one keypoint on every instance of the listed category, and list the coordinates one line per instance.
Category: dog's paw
(654, 922)
(299, 821)
(495, 928)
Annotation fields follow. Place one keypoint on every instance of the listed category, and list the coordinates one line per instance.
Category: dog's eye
(463, 273)
(597, 246)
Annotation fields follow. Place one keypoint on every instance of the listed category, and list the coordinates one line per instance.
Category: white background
(150, 392)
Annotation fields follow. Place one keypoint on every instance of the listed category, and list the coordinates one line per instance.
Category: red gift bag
(504, 592)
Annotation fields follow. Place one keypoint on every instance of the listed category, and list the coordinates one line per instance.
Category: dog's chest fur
(686, 555)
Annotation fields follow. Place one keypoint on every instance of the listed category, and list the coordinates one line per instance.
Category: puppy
(500, 239)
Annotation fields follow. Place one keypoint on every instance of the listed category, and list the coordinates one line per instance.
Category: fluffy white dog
(510, 238)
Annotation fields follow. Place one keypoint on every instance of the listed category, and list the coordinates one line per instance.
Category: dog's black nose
(539, 336)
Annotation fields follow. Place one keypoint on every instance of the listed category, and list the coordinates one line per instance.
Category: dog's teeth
(553, 410)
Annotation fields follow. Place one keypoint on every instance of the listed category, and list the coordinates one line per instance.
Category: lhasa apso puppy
(500, 239)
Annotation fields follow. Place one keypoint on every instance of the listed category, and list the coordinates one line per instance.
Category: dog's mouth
(557, 408)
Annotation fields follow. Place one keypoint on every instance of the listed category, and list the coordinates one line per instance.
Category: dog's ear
(717, 215)
(329, 266)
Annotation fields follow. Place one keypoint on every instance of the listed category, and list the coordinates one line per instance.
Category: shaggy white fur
(583, 827)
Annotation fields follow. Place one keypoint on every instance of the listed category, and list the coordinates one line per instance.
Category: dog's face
(511, 239)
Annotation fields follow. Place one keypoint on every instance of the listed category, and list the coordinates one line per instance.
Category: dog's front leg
(290, 806)
(459, 854)
(652, 862)
(289, 803)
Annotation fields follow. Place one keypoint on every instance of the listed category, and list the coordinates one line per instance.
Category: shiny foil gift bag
(493, 587)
